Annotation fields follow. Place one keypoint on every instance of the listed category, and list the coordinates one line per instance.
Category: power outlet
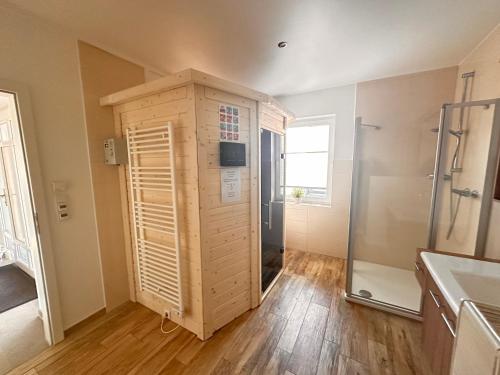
(167, 314)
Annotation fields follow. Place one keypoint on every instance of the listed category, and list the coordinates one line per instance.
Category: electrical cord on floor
(167, 332)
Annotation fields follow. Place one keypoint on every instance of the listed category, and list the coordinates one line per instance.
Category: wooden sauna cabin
(193, 246)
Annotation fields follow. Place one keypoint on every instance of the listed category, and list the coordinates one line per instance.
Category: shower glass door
(390, 201)
(272, 207)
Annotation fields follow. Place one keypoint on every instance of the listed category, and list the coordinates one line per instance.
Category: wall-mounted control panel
(115, 151)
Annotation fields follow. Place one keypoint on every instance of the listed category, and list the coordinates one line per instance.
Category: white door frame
(44, 259)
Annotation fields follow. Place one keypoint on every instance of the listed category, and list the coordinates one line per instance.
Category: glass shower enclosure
(432, 188)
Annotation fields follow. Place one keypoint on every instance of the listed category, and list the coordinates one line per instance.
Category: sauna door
(272, 206)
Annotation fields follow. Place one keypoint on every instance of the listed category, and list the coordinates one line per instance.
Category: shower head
(456, 133)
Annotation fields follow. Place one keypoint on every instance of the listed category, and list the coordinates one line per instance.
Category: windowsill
(306, 203)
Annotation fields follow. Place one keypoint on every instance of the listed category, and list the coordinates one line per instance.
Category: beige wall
(102, 74)
(485, 61)
(394, 191)
(315, 228)
(45, 59)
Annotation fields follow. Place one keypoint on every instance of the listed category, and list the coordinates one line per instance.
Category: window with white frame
(309, 159)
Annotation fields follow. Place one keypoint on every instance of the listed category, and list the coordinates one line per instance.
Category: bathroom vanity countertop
(464, 278)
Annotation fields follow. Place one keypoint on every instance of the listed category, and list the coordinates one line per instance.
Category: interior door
(7, 227)
(272, 206)
(5, 217)
(14, 231)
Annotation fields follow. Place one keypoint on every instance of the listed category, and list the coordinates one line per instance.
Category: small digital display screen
(232, 154)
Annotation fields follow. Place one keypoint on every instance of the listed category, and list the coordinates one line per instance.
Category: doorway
(272, 207)
(24, 319)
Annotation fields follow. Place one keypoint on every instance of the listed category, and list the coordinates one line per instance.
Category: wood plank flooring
(303, 327)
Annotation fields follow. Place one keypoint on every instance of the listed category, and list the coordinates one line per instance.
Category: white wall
(322, 229)
(45, 58)
(337, 100)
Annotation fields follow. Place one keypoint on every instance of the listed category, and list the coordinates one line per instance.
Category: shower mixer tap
(466, 193)
(456, 133)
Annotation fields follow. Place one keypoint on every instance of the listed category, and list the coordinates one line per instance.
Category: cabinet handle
(449, 324)
(436, 299)
(417, 267)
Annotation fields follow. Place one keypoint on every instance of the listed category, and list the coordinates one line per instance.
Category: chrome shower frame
(491, 168)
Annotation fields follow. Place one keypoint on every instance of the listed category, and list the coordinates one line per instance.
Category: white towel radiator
(154, 212)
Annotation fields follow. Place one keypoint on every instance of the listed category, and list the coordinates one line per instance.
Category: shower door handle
(270, 215)
(266, 205)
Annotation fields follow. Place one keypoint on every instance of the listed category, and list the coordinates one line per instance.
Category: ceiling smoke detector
(282, 44)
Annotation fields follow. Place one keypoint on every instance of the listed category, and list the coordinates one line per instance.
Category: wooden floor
(303, 327)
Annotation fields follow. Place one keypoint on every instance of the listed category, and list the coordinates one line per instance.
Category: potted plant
(298, 194)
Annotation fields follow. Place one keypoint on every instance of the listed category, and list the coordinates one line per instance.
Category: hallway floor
(303, 327)
(21, 335)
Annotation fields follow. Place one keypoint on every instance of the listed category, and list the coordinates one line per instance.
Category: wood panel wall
(271, 119)
(226, 228)
(177, 106)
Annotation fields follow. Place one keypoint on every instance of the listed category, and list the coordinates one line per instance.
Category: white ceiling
(330, 42)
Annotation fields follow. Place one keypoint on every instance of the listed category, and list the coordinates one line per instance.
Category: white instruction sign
(230, 185)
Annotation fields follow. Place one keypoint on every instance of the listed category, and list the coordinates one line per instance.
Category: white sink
(464, 279)
(478, 287)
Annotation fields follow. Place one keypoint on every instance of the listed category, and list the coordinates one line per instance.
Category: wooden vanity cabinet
(439, 323)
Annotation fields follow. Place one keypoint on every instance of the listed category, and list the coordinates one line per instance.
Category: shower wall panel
(394, 190)
(484, 60)
(474, 149)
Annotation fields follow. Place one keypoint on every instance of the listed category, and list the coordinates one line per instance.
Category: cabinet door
(447, 344)
(437, 337)
(433, 334)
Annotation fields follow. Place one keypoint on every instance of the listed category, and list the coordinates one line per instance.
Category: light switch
(58, 186)
(62, 210)
(61, 200)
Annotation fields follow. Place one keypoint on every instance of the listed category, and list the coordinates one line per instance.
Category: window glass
(309, 158)
(307, 170)
(307, 138)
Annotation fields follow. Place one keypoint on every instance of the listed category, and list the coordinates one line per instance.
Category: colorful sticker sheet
(229, 123)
